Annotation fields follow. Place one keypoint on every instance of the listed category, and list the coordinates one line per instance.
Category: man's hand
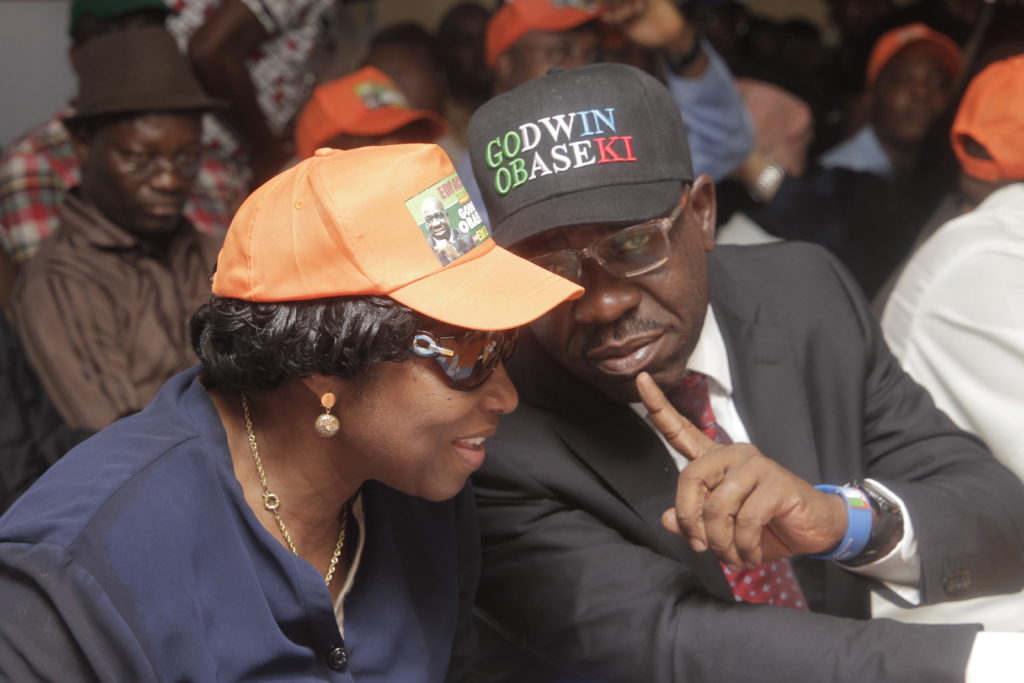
(655, 25)
(734, 500)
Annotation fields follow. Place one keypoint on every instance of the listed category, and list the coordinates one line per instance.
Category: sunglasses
(468, 359)
(628, 252)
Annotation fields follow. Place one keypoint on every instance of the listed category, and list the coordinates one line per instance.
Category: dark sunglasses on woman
(467, 359)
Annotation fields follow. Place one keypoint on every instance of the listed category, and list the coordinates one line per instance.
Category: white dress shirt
(956, 322)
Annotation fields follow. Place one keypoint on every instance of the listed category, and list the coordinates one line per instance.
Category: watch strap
(685, 60)
(858, 523)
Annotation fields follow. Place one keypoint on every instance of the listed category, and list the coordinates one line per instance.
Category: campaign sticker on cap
(588, 5)
(450, 223)
(376, 95)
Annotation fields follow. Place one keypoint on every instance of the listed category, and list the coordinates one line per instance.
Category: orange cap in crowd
(365, 102)
(895, 40)
(518, 17)
(392, 221)
(992, 114)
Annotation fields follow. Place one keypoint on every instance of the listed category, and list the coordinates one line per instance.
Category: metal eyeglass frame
(664, 224)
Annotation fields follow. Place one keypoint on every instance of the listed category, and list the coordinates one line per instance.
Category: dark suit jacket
(578, 569)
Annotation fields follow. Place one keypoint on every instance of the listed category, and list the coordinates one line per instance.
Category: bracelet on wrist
(685, 60)
(859, 517)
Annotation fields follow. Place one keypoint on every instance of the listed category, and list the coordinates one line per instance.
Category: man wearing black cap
(102, 309)
(600, 503)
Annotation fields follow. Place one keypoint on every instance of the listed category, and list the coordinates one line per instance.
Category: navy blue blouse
(136, 558)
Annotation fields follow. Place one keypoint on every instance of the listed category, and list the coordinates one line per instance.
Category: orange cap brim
(391, 119)
(898, 39)
(508, 25)
(992, 114)
(310, 134)
(497, 291)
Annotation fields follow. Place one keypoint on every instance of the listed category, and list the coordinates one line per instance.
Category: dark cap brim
(632, 203)
(184, 104)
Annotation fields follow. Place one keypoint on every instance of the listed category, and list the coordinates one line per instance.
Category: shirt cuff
(995, 658)
(900, 569)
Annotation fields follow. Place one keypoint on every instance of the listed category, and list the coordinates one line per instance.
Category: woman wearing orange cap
(293, 508)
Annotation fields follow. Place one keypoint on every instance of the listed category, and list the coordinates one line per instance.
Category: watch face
(887, 530)
(878, 497)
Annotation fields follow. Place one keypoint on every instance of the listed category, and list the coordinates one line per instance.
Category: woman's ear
(318, 385)
(344, 390)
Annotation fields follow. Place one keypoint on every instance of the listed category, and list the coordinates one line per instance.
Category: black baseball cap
(600, 144)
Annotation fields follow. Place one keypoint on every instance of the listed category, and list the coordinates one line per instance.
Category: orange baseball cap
(895, 40)
(393, 221)
(518, 17)
(992, 114)
(365, 102)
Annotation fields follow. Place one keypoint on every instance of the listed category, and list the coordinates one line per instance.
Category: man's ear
(81, 140)
(704, 208)
(864, 106)
(502, 72)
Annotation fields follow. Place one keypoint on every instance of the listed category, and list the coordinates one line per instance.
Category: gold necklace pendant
(272, 502)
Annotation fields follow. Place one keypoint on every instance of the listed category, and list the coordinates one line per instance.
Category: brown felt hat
(136, 70)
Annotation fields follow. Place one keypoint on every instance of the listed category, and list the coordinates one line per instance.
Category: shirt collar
(709, 356)
(89, 223)
(862, 152)
(1008, 195)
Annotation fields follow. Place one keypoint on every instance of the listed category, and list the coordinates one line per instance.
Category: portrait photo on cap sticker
(450, 222)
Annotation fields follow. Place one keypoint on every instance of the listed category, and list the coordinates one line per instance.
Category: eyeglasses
(469, 359)
(143, 165)
(628, 252)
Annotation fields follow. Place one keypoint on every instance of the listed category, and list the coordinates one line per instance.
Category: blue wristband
(859, 517)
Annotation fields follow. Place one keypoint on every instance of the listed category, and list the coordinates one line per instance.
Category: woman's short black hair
(251, 346)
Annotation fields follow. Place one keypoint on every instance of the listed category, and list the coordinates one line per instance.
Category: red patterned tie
(772, 582)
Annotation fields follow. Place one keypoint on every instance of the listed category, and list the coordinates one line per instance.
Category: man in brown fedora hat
(38, 168)
(102, 309)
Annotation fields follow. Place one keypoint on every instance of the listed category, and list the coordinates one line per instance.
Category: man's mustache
(628, 326)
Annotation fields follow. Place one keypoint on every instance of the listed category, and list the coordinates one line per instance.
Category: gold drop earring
(327, 425)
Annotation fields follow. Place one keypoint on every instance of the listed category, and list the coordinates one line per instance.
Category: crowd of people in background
(897, 145)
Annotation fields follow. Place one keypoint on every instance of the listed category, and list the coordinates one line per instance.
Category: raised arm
(219, 49)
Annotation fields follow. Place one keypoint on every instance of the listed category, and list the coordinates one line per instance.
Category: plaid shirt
(37, 170)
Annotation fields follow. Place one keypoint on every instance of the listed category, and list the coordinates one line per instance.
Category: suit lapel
(767, 386)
